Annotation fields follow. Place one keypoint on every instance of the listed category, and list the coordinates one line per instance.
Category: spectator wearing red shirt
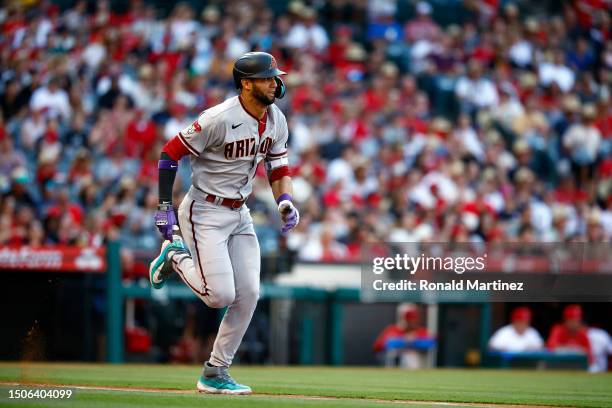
(406, 336)
(63, 205)
(571, 334)
(341, 41)
(141, 135)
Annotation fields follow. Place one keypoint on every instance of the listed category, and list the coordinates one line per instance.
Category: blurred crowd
(480, 120)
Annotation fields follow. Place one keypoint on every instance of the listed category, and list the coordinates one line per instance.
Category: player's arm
(277, 167)
(281, 186)
(165, 218)
(188, 141)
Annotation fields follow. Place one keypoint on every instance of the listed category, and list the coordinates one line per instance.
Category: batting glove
(289, 214)
(165, 219)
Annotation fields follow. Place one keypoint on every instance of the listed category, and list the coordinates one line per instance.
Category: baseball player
(218, 253)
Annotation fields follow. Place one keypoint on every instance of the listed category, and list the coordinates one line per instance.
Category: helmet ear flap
(237, 78)
(280, 88)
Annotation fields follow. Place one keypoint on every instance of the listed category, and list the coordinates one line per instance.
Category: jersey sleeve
(276, 161)
(204, 132)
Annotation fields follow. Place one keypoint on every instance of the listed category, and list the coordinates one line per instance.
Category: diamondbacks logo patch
(273, 63)
(195, 127)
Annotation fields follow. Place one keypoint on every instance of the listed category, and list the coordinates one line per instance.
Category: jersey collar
(265, 116)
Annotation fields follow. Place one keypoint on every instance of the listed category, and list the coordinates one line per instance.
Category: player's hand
(289, 215)
(165, 219)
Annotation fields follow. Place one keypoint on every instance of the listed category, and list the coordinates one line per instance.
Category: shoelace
(225, 377)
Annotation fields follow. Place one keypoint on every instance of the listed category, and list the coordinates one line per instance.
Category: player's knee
(221, 299)
(249, 296)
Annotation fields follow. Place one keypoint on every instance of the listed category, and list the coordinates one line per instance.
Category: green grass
(105, 399)
(354, 385)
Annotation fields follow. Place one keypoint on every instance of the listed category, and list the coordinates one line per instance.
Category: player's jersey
(226, 145)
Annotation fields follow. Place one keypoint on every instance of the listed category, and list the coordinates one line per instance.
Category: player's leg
(244, 255)
(208, 270)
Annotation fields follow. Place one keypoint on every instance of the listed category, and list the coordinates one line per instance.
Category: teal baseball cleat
(216, 380)
(161, 267)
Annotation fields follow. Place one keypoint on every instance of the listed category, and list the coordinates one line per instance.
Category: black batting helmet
(258, 65)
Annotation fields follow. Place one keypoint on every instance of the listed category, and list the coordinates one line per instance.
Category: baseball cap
(520, 314)
(423, 7)
(572, 312)
(409, 312)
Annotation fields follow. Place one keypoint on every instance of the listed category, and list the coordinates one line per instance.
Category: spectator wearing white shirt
(302, 137)
(147, 91)
(518, 336)
(32, 129)
(582, 140)
(467, 136)
(182, 26)
(509, 109)
(54, 99)
(77, 16)
(307, 34)
(521, 50)
(475, 91)
(94, 53)
(340, 168)
(553, 69)
(44, 27)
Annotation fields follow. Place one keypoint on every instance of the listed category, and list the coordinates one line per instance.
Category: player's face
(521, 325)
(573, 324)
(264, 90)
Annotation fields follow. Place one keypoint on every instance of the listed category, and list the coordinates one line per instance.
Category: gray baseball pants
(223, 269)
